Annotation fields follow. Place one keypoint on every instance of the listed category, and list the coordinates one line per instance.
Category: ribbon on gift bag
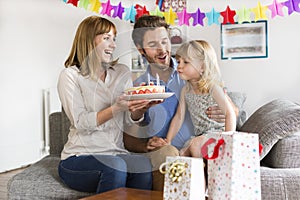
(175, 170)
(215, 154)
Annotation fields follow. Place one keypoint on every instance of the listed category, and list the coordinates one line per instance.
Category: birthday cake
(145, 89)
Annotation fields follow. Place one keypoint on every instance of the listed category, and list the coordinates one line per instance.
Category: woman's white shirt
(82, 98)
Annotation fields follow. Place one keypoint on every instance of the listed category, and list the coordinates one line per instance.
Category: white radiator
(51, 104)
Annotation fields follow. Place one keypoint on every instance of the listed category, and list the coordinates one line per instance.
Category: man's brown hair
(145, 23)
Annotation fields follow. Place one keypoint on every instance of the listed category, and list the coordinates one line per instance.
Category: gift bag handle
(216, 148)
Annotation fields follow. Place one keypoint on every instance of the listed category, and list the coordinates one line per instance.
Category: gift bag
(233, 166)
(184, 178)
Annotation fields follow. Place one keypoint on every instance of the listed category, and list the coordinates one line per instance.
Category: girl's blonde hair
(83, 53)
(200, 49)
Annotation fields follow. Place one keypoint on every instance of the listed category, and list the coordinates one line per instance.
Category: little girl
(197, 64)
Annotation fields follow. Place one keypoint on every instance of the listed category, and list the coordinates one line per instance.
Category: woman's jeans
(100, 173)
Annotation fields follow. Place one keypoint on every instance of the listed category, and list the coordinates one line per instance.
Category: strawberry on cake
(145, 89)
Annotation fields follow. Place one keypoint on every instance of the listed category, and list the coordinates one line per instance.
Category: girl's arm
(178, 117)
(226, 107)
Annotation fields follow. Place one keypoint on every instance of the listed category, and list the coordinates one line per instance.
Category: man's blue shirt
(158, 118)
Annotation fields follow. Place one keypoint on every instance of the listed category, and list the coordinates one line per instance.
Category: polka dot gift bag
(233, 166)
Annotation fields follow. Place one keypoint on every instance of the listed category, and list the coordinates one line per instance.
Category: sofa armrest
(55, 133)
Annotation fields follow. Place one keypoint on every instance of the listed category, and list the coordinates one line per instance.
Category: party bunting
(170, 16)
(95, 5)
(84, 4)
(130, 14)
(213, 17)
(243, 15)
(118, 11)
(292, 5)
(74, 2)
(240, 15)
(183, 18)
(228, 16)
(106, 8)
(276, 9)
(198, 17)
(157, 12)
(260, 12)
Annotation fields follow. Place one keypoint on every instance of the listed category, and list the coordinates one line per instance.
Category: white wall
(35, 39)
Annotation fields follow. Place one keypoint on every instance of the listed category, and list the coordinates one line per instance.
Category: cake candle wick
(157, 80)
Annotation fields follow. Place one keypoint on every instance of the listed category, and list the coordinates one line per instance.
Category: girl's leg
(139, 171)
(195, 146)
(93, 173)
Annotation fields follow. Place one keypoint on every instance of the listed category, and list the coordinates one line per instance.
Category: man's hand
(216, 114)
(155, 142)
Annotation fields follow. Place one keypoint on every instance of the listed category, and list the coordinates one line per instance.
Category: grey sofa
(280, 170)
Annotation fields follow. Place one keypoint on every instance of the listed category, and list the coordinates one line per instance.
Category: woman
(90, 89)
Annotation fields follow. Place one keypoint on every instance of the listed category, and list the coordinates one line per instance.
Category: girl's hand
(155, 142)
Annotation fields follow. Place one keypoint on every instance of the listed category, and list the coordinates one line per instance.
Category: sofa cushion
(238, 100)
(273, 121)
(285, 153)
(41, 181)
(280, 184)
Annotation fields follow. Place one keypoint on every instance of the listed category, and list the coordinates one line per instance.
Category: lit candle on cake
(157, 80)
(148, 79)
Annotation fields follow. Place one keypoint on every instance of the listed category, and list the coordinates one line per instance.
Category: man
(151, 37)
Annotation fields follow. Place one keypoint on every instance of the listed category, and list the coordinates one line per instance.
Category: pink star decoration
(183, 17)
(243, 15)
(228, 16)
(170, 16)
(198, 17)
(118, 10)
(276, 8)
(95, 5)
(106, 8)
(260, 12)
(292, 5)
(74, 2)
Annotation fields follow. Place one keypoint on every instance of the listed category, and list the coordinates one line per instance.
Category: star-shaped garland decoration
(243, 15)
(118, 11)
(170, 16)
(140, 10)
(276, 9)
(106, 8)
(74, 2)
(95, 5)
(130, 14)
(228, 16)
(198, 17)
(156, 12)
(260, 12)
(213, 17)
(84, 4)
(183, 17)
(292, 5)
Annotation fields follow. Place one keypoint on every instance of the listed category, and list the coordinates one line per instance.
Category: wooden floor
(4, 177)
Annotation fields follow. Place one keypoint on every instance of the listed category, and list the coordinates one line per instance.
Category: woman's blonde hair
(83, 53)
(200, 49)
